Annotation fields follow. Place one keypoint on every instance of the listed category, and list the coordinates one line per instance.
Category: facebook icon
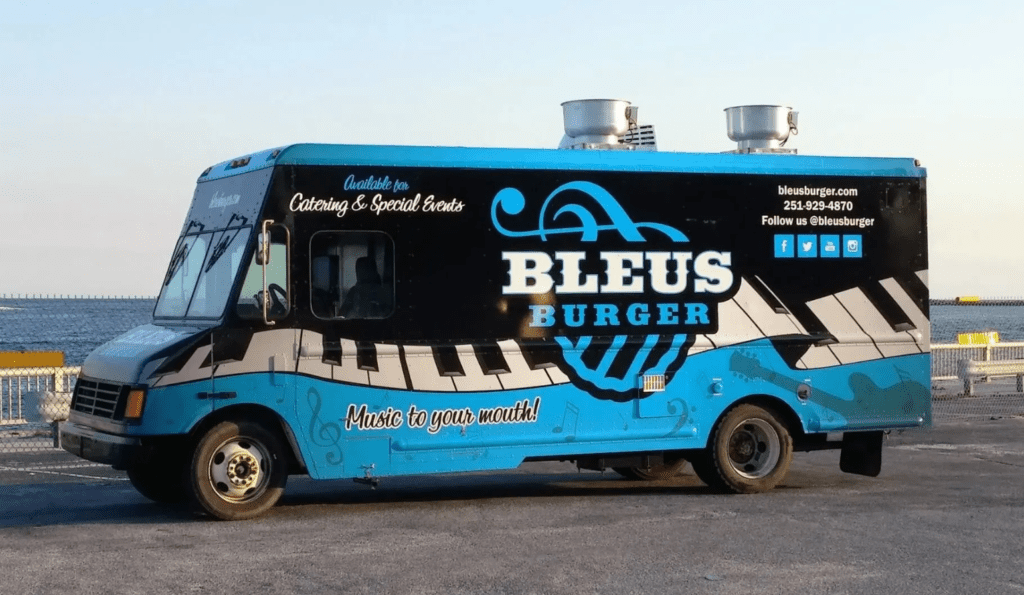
(784, 247)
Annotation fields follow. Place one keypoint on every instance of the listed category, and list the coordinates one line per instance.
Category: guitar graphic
(905, 400)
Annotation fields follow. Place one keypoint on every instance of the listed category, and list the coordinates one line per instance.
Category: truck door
(268, 347)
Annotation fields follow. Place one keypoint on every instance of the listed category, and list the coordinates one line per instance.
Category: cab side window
(352, 275)
(251, 297)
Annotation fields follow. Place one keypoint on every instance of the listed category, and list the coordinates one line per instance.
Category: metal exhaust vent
(760, 128)
(604, 124)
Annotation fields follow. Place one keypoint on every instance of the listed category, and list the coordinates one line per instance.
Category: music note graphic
(570, 419)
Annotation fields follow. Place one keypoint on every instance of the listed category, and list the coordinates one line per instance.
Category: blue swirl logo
(512, 202)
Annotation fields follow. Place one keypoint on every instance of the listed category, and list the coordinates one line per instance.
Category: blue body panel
(325, 419)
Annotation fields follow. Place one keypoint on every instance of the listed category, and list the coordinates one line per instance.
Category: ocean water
(947, 321)
(74, 326)
(77, 326)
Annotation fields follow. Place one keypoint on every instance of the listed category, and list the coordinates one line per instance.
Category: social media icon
(852, 246)
(784, 246)
(807, 246)
(830, 246)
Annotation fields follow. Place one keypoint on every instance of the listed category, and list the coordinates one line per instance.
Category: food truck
(350, 311)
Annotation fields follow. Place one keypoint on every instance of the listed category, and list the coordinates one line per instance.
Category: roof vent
(760, 128)
(604, 124)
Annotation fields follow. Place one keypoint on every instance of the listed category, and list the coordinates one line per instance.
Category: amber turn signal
(136, 401)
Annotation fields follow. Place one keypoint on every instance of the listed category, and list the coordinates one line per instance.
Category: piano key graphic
(278, 345)
(424, 371)
(348, 370)
(314, 355)
(881, 320)
(890, 339)
(887, 306)
(520, 374)
(366, 356)
(862, 333)
(336, 360)
(387, 360)
(475, 378)
(192, 370)
(922, 330)
(502, 365)
(446, 358)
(749, 315)
(916, 288)
(491, 359)
(491, 366)
(765, 309)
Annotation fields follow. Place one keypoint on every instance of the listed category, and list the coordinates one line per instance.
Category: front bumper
(100, 447)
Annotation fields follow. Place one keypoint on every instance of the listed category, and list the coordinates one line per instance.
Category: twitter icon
(807, 246)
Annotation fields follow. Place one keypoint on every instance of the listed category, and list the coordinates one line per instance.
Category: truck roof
(592, 160)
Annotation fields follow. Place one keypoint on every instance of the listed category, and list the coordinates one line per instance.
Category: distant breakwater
(979, 302)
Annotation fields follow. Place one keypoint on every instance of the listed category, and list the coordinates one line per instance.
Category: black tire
(654, 473)
(705, 471)
(238, 471)
(750, 451)
(160, 478)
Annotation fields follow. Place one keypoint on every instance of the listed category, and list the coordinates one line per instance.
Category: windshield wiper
(179, 256)
(225, 241)
(193, 223)
(176, 261)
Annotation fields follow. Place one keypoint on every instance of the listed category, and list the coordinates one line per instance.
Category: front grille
(101, 399)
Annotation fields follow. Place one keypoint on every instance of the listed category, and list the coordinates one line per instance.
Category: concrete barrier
(973, 371)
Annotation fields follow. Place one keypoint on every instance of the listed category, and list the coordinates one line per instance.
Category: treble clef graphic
(326, 434)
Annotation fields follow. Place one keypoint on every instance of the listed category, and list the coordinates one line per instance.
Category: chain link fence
(994, 396)
(35, 399)
(43, 342)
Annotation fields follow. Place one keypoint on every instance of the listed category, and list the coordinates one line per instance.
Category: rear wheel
(238, 471)
(750, 451)
(654, 472)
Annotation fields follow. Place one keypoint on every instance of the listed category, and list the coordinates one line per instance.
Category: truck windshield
(201, 274)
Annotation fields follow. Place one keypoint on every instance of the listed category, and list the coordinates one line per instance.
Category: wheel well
(788, 417)
(258, 413)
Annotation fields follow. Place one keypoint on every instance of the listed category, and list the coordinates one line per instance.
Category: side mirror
(263, 252)
(263, 248)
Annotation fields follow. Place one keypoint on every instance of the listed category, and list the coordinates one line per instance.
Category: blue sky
(109, 110)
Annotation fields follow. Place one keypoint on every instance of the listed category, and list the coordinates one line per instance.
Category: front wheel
(159, 477)
(750, 451)
(238, 471)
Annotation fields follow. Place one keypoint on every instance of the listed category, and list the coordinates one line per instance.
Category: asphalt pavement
(945, 516)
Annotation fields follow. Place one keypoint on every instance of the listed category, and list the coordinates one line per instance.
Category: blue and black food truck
(363, 312)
